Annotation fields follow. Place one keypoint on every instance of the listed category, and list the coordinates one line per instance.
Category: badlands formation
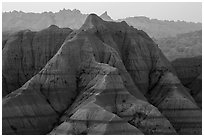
(26, 52)
(105, 78)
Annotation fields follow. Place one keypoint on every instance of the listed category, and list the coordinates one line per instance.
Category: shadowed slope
(189, 71)
(25, 53)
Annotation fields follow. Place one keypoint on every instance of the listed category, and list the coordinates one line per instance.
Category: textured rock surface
(102, 89)
(173, 100)
(189, 71)
(101, 81)
(25, 53)
(5, 36)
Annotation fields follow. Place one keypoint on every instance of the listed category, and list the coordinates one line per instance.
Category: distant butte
(106, 17)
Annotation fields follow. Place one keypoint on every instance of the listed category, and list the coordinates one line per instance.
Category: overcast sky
(165, 11)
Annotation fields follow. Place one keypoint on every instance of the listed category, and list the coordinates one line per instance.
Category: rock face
(196, 89)
(25, 53)
(5, 36)
(106, 78)
(189, 71)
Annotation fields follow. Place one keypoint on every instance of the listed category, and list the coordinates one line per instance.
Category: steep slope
(97, 81)
(25, 53)
(196, 90)
(189, 71)
(102, 89)
(182, 46)
(5, 36)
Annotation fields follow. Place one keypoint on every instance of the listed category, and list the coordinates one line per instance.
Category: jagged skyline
(183, 11)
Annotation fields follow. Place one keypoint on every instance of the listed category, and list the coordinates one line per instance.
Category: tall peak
(106, 17)
(105, 13)
(93, 19)
(53, 27)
